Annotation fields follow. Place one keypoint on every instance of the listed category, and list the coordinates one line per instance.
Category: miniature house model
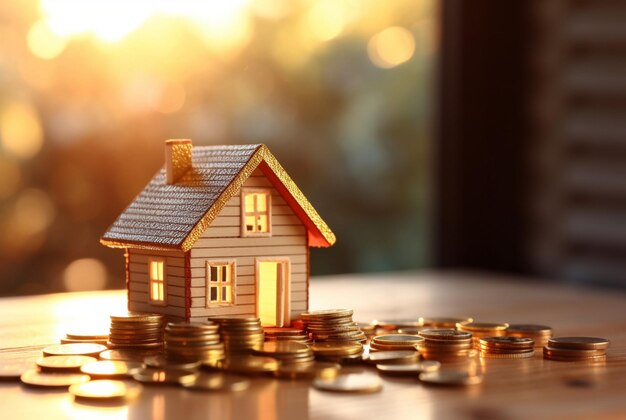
(220, 230)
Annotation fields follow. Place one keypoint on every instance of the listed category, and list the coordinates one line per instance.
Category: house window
(156, 270)
(256, 212)
(220, 279)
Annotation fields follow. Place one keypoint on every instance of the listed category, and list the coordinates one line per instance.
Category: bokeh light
(85, 274)
(325, 20)
(43, 42)
(20, 130)
(391, 47)
(10, 177)
(171, 98)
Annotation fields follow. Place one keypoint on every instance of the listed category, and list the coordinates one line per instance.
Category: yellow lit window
(220, 278)
(256, 208)
(157, 280)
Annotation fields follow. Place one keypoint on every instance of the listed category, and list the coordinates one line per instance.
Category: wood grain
(512, 389)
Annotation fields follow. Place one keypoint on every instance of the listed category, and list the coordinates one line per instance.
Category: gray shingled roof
(163, 215)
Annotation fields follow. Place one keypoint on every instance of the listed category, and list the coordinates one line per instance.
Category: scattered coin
(79, 333)
(409, 370)
(396, 357)
(249, 365)
(52, 380)
(162, 362)
(63, 363)
(540, 334)
(78, 349)
(110, 369)
(445, 345)
(12, 370)
(128, 355)
(582, 343)
(395, 324)
(308, 370)
(104, 389)
(332, 325)
(450, 378)
(350, 382)
(286, 352)
(482, 329)
(164, 376)
(218, 382)
(445, 322)
(395, 342)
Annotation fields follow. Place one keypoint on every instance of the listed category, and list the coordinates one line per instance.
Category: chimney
(177, 159)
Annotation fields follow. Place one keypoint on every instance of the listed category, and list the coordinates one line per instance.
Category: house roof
(174, 216)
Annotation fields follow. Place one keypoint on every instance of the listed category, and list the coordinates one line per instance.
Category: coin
(63, 363)
(163, 362)
(333, 348)
(218, 382)
(251, 365)
(136, 317)
(87, 333)
(572, 353)
(164, 376)
(480, 327)
(395, 324)
(393, 357)
(350, 382)
(111, 369)
(104, 389)
(326, 313)
(409, 370)
(277, 332)
(52, 380)
(398, 339)
(445, 334)
(130, 355)
(308, 370)
(66, 340)
(78, 349)
(450, 378)
(445, 322)
(12, 370)
(520, 355)
(583, 343)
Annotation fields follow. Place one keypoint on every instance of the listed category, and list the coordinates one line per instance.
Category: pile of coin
(540, 334)
(286, 334)
(404, 326)
(136, 331)
(482, 329)
(445, 322)
(576, 349)
(332, 325)
(240, 335)
(193, 342)
(507, 347)
(446, 345)
(342, 352)
(287, 353)
(395, 342)
(85, 335)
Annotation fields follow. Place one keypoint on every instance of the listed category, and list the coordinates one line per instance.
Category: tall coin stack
(482, 329)
(240, 335)
(540, 334)
(136, 331)
(286, 334)
(193, 342)
(446, 345)
(571, 349)
(507, 347)
(332, 325)
(288, 353)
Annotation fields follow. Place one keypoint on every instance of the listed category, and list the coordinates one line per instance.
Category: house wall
(222, 240)
(138, 282)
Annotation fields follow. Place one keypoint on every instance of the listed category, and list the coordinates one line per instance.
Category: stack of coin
(576, 349)
(286, 334)
(136, 331)
(240, 335)
(287, 353)
(507, 347)
(193, 342)
(444, 322)
(482, 329)
(332, 325)
(446, 345)
(342, 352)
(540, 334)
(395, 342)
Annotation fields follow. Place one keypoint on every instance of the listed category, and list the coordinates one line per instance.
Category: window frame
(268, 211)
(232, 264)
(162, 281)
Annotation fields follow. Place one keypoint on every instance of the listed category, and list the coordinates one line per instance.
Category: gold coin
(127, 355)
(450, 378)
(524, 355)
(63, 363)
(393, 357)
(276, 331)
(39, 379)
(66, 340)
(136, 326)
(333, 348)
(398, 339)
(394, 324)
(326, 314)
(104, 389)
(530, 329)
(218, 382)
(308, 370)
(162, 362)
(445, 322)
(507, 342)
(278, 348)
(409, 370)
(111, 369)
(137, 317)
(581, 343)
(78, 349)
(86, 333)
(350, 382)
(249, 364)
(447, 334)
(142, 346)
(164, 376)
(12, 370)
(482, 327)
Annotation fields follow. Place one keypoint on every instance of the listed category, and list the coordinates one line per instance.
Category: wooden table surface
(534, 388)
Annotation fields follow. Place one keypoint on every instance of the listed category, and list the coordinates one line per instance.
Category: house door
(273, 292)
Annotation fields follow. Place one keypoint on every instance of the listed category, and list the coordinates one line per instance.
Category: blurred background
(428, 133)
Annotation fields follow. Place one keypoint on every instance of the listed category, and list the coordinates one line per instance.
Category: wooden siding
(223, 241)
(138, 282)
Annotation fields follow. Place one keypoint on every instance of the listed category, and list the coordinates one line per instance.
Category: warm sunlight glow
(43, 42)
(391, 47)
(325, 20)
(85, 274)
(10, 177)
(172, 98)
(20, 130)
